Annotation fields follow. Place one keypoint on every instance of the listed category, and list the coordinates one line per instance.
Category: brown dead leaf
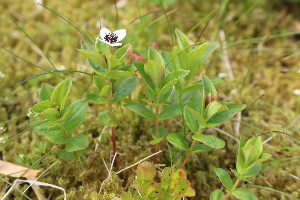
(14, 170)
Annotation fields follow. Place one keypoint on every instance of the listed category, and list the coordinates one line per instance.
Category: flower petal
(121, 34)
(104, 32)
(103, 41)
(115, 44)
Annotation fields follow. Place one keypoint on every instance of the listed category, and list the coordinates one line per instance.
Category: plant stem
(191, 150)
(189, 154)
(233, 188)
(113, 128)
(156, 133)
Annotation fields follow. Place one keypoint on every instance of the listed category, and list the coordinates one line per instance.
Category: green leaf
(104, 117)
(202, 52)
(126, 196)
(102, 47)
(252, 171)
(217, 195)
(240, 164)
(99, 82)
(53, 134)
(95, 57)
(162, 98)
(126, 87)
(40, 107)
(156, 141)
(183, 41)
(96, 99)
(210, 140)
(223, 116)
(197, 116)
(208, 86)
(212, 108)
(141, 110)
(179, 141)
(118, 74)
(195, 103)
(51, 114)
(244, 194)
(60, 92)
(77, 142)
(105, 91)
(257, 141)
(201, 147)
(224, 178)
(153, 104)
(45, 92)
(112, 61)
(183, 60)
(170, 112)
(79, 109)
(156, 72)
(98, 69)
(199, 86)
(61, 120)
(69, 155)
(166, 177)
(264, 157)
(190, 120)
(140, 67)
(120, 53)
(153, 54)
(172, 78)
(250, 154)
(238, 175)
(175, 75)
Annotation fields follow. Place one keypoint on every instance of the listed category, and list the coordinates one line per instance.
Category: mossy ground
(241, 21)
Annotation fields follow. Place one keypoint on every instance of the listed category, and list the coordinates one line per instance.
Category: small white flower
(297, 92)
(112, 38)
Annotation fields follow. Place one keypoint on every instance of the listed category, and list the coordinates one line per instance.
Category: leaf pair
(173, 185)
(60, 120)
(250, 157)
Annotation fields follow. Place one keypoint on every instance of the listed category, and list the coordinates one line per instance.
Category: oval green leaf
(120, 53)
(46, 92)
(244, 194)
(61, 91)
(179, 141)
(40, 107)
(224, 178)
(217, 195)
(223, 116)
(170, 112)
(53, 134)
(77, 142)
(153, 54)
(141, 110)
(210, 140)
(79, 109)
(126, 87)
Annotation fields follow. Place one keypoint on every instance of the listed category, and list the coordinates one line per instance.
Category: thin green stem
(169, 23)
(140, 15)
(110, 109)
(187, 157)
(233, 188)
(156, 132)
(191, 150)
